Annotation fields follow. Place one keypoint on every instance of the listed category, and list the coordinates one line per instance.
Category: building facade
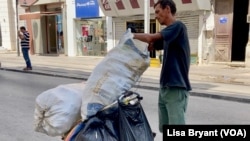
(72, 28)
(218, 30)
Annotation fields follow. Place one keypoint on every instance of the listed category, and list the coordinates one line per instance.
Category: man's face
(22, 30)
(162, 15)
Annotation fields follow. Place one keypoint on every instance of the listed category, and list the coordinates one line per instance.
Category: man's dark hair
(165, 3)
(22, 27)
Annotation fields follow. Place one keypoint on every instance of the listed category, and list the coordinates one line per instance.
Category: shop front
(127, 13)
(91, 37)
(90, 29)
(43, 20)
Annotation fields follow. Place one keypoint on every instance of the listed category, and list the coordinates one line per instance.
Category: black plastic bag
(122, 122)
(101, 127)
(133, 123)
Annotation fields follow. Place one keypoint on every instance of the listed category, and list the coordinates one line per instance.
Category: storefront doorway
(91, 37)
(240, 30)
(53, 34)
(231, 30)
(59, 28)
(137, 26)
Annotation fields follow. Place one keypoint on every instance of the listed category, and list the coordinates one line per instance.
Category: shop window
(59, 23)
(91, 38)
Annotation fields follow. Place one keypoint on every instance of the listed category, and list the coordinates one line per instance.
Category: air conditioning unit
(248, 18)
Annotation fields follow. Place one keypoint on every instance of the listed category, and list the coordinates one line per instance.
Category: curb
(219, 96)
(46, 74)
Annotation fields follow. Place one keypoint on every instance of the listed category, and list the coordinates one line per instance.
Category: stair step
(154, 62)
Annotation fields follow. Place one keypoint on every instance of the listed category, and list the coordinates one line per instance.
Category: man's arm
(148, 38)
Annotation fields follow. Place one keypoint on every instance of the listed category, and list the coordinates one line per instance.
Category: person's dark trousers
(26, 57)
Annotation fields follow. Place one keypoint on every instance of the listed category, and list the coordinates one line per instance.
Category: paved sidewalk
(217, 81)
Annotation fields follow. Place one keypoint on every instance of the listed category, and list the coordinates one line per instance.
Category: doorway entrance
(240, 30)
(51, 34)
(231, 30)
(223, 30)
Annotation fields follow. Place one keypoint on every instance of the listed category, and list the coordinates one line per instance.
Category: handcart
(123, 120)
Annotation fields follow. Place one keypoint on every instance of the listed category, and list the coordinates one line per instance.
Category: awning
(123, 7)
(136, 7)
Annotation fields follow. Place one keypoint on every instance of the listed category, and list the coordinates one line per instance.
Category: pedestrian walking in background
(23, 34)
(174, 79)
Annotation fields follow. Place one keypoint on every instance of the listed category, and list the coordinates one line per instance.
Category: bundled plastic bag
(124, 120)
(116, 73)
(133, 122)
(58, 109)
(101, 127)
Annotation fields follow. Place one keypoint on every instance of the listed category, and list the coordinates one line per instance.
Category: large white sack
(116, 73)
(58, 109)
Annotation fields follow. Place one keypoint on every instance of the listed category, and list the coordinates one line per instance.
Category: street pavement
(221, 81)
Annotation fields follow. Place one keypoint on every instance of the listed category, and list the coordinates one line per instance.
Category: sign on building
(87, 8)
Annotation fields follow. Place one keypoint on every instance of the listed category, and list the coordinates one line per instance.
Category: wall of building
(8, 23)
(37, 36)
(35, 9)
(208, 37)
(187, 5)
(110, 41)
(69, 28)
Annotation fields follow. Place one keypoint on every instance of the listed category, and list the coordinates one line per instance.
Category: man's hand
(150, 47)
(19, 33)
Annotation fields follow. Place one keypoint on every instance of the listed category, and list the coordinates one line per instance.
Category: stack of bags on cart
(59, 109)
